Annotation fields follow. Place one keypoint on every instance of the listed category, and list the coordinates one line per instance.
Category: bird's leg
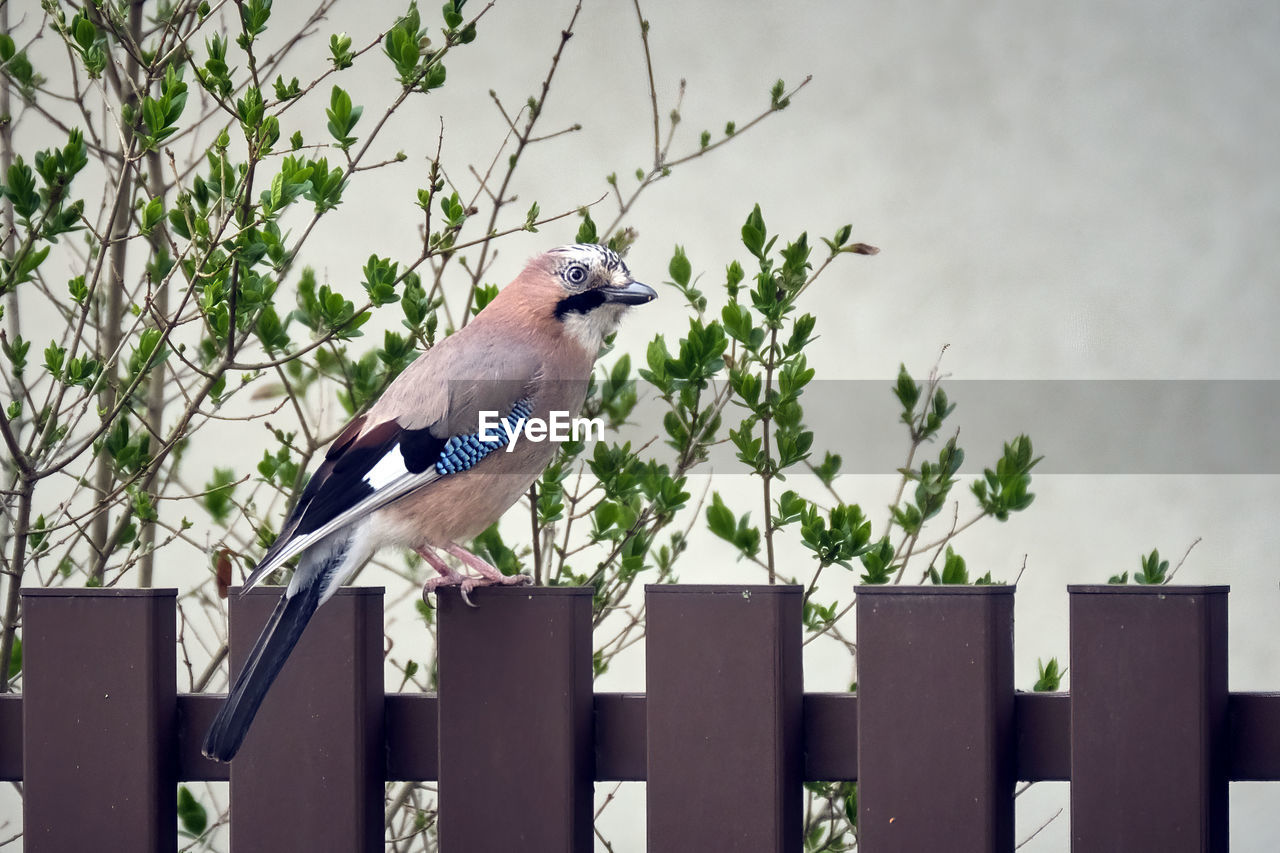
(489, 575)
(448, 577)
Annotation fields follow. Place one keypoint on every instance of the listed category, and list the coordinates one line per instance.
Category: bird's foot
(448, 577)
(507, 580)
(489, 576)
(467, 583)
(462, 582)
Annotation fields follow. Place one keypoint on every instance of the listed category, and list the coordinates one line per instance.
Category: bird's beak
(634, 293)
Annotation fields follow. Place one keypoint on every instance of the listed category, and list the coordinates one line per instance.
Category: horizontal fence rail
(937, 737)
(1041, 730)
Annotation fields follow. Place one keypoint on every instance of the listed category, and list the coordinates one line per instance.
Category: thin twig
(1040, 829)
(1185, 554)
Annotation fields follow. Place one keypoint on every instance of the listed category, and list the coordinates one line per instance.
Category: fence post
(724, 706)
(99, 720)
(310, 774)
(1148, 714)
(935, 718)
(515, 710)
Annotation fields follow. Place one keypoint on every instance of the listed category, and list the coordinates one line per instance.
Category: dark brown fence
(1149, 736)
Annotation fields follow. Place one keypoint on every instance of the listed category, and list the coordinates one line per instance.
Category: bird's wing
(423, 428)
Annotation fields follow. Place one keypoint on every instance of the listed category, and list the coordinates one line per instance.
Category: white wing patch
(395, 487)
(389, 468)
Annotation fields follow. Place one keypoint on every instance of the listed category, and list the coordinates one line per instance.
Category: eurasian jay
(417, 470)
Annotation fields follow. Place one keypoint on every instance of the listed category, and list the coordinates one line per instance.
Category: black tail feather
(277, 640)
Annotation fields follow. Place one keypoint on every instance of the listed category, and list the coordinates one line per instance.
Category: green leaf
(1006, 489)
(287, 91)
(17, 351)
(144, 505)
(152, 215)
(250, 109)
(254, 15)
(455, 212)
(161, 114)
(1050, 679)
(776, 99)
(271, 331)
(953, 572)
(435, 76)
(145, 356)
(326, 185)
(403, 45)
(587, 229)
(829, 469)
(83, 31)
(15, 658)
(720, 518)
(680, 269)
(841, 237)
(218, 493)
(452, 17)
(754, 233)
(907, 392)
(191, 814)
(340, 51)
(878, 563)
(342, 117)
(21, 189)
(23, 267)
(1154, 570)
(739, 532)
(379, 280)
(54, 357)
(790, 508)
(215, 76)
(77, 289)
(801, 334)
(484, 294)
(489, 544)
(424, 610)
(18, 67)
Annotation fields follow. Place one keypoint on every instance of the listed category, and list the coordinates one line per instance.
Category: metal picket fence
(936, 736)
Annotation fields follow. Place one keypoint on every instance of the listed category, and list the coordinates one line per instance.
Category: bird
(416, 470)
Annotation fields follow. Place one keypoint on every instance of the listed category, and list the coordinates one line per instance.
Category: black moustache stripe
(580, 303)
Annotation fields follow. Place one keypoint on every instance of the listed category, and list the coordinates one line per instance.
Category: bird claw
(467, 584)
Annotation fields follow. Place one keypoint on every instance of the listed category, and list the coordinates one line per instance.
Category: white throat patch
(590, 329)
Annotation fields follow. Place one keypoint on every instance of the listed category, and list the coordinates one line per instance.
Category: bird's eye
(575, 274)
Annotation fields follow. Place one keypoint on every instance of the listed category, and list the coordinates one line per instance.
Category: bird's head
(586, 288)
